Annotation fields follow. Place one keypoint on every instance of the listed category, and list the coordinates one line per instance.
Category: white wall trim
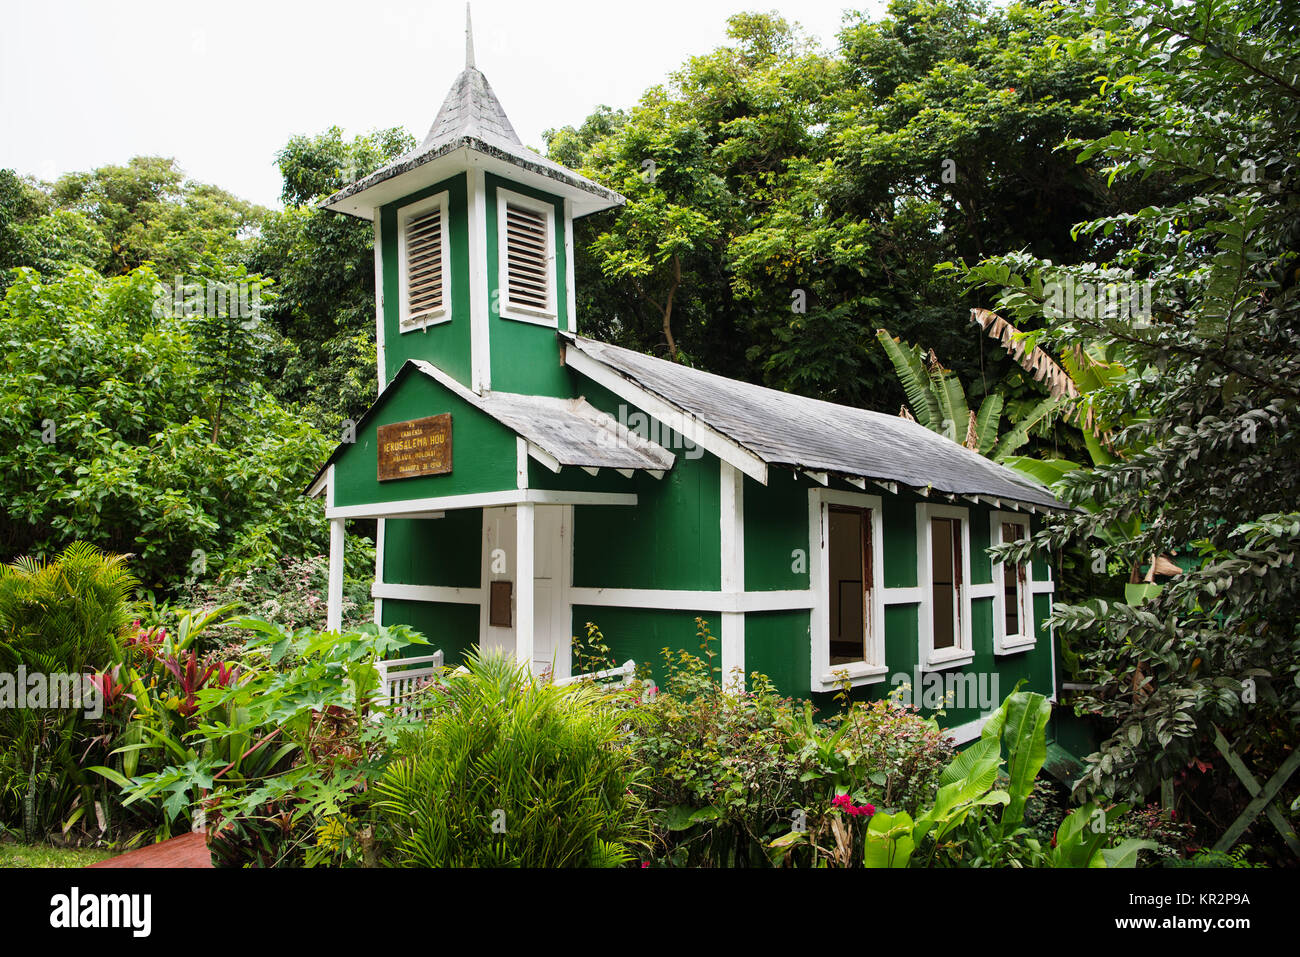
(380, 530)
(430, 593)
(732, 573)
(1004, 644)
(687, 425)
(380, 366)
(964, 652)
(911, 595)
(692, 600)
(334, 597)
(414, 506)
(873, 668)
(525, 582)
(480, 343)
(571, 297)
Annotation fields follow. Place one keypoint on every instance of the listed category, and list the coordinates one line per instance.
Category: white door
(551, 556)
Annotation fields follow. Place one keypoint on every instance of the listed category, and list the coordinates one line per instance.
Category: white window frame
(443, 313)
(963, 652)
(873, 668)
(1004, 644)
(505, 308)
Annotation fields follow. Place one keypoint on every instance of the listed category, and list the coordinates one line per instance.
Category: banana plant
(937, 400)
(966, 790)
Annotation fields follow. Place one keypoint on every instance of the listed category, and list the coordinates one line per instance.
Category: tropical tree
(1211, 100)
(938, 401)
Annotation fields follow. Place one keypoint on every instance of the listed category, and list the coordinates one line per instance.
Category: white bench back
(619, 677)
(401, 678)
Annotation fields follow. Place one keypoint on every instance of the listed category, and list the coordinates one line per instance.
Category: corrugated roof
(791, 430)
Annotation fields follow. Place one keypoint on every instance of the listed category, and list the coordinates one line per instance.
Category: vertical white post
(334, 605)
(379, 568)
(479, 307)
(525, 524)
(379, 304)
(732, 529)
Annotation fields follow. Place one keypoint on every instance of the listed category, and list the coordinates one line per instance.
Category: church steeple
(469, 40)
(474, 246)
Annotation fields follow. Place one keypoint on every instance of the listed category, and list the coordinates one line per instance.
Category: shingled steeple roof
(472, 118)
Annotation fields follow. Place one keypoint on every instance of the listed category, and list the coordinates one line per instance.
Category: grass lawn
(42, 855)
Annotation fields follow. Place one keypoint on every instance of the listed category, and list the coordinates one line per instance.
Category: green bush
(510, 772)
(728, 772)
(67, 616)
(279, 751)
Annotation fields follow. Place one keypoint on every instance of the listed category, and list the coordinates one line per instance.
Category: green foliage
(279, 752)
(959, 828)
(291, 593)
(728, 773)
(323, 264)
(785, 200)
(1208, 100)
(510, 772)
(116, 440)
(938, 402)
(68, 616)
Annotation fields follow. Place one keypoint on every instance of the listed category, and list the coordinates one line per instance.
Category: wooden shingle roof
(794, 431)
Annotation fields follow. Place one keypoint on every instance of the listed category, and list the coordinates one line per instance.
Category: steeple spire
(469, 41)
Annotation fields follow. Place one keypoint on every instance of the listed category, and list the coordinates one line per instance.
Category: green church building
(527, 480)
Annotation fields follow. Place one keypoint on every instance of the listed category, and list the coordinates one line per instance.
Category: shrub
(291, 593)
(67, 616)
(281, 753)
(512, 772)
(730, 771)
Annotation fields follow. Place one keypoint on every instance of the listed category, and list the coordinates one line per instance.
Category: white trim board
(380, 365)
(731, 531)
(479, 339)
(406, 508)
(443, 594)
(674, 598)
(963, 652)
(872, 669)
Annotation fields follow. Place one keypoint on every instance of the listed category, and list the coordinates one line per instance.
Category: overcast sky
(222, 86)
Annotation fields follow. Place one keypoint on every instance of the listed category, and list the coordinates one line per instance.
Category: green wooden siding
(449, 628)
(483, 450)
(435, 551)
(776, 527)
(670, 539)
(525, 356)
(779, 644)
(446, 345)
(641, 634)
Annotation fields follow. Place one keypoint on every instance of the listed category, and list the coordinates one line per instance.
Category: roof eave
(410, 174)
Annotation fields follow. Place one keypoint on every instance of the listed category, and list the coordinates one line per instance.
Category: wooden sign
(418, 447)
(499, 595)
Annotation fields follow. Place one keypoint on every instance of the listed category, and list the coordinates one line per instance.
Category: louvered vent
(527, 270)
(424, 264)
